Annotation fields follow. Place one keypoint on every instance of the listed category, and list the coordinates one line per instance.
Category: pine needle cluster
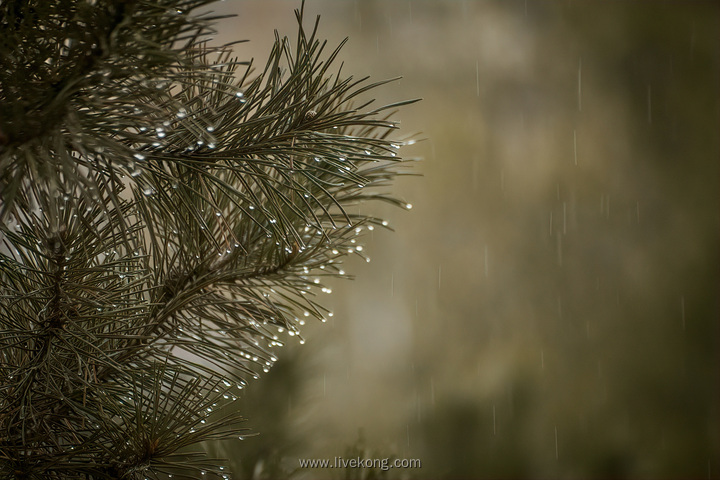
(167, 216)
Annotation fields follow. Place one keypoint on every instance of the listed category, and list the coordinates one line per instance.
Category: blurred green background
(549, 307)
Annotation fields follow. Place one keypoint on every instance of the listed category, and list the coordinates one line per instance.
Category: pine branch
(169, 222)
(88, 56)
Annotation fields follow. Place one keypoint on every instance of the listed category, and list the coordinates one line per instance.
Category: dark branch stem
(174, 288)
(49, 328)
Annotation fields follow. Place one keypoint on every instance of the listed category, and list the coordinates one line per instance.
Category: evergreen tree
(166, 217)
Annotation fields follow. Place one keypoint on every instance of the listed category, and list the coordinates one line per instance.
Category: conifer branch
(164, 219)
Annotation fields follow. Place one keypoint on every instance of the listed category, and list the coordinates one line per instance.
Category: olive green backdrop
(549, 307)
